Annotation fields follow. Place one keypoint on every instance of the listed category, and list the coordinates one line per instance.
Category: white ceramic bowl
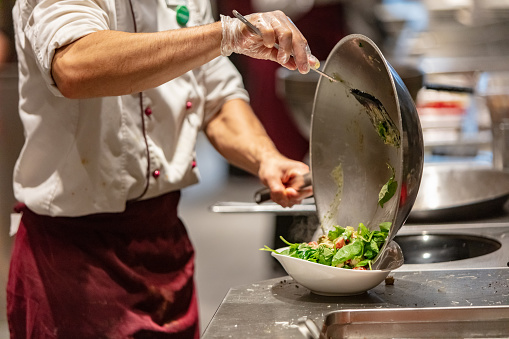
(328, 280)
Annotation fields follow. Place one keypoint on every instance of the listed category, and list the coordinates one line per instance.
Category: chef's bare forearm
(110, 63)
(240, 137)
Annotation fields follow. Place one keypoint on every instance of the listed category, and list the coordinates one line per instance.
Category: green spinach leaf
(388, 190)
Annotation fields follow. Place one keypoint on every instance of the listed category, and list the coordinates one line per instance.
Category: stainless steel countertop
(308, 207)
(271, 308)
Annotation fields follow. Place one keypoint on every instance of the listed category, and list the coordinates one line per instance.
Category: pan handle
(263, 194)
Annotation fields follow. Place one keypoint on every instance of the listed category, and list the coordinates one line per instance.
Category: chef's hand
(284, 178)
(276, 27)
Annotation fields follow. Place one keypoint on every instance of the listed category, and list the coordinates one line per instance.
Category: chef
(112, 97)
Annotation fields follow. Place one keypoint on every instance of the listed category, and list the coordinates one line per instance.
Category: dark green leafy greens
(388, 190)
(341, 247)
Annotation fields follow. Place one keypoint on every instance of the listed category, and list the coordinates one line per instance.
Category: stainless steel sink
(436, 248)
(454, 246)
(459, 322)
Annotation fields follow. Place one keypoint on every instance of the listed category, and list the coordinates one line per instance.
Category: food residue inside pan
(379, 117)
(330, 216)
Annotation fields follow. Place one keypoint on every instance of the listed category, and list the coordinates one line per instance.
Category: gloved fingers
(312, 60)
(276, 27)
(290, 64)
(292, 43)
(262, 21)
(300, 48)
(291, 51)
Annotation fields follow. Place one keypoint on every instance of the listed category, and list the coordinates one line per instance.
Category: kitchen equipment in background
(462, 29)
(493, 87)
(460, 192)
(451, 123)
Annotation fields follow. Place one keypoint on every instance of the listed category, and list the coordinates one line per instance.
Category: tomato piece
(340, 242)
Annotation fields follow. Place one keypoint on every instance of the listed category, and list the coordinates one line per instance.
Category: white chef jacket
(93, 155)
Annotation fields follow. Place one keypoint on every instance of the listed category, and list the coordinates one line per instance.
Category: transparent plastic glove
(276, 27)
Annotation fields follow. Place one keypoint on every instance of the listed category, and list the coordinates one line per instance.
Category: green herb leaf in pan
(388, 190)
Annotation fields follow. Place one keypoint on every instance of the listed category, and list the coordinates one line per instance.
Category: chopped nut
(389, 280)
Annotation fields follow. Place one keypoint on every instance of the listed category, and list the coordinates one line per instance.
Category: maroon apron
(112, 275)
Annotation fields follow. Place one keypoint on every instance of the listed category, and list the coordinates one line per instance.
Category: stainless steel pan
(349, 161)
(459, 192)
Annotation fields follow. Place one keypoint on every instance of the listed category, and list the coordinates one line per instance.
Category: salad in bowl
(338, 263)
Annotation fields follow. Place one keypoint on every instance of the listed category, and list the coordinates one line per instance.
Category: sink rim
(450, 255)
(498, 231)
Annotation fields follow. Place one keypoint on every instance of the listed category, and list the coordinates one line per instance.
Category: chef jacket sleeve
(223, 83)
(51, 24)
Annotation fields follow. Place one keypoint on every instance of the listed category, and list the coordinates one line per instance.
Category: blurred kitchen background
(446, 51)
